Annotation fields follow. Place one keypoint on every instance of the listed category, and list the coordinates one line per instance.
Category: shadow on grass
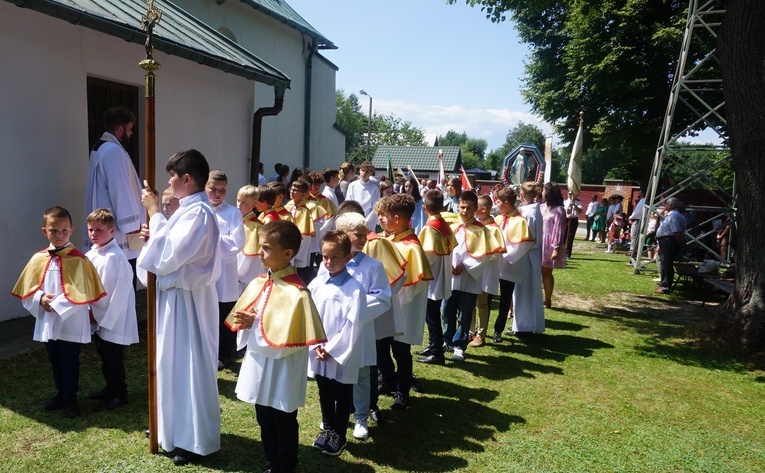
(459, 417)
(565, 326)
(679, 331)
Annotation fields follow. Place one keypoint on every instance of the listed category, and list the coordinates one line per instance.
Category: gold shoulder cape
(79, 279)
(385, 252)
(437, 236)
(283, 213)
(478, 239)
(251, 240)
(269, 215)
(325, 203)
(417, 266)
(305, 216)
(496, 234)
(289, 317)
(514, 227)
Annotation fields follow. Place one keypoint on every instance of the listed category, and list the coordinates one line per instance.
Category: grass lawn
(623, 380)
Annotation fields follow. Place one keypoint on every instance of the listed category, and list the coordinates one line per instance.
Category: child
(248, 261)
(184, 253)
(366, 192)
(394, 214)
(231, 242)
(438, 242)
(331, 180)
(370, 273)
(169, 202)
(335, 364)
(281, 194)
(115, 314)
(529, 313)
(514, 264)
(265, 204)
(309, 221)
(277, 320)
(57, 287)
(490, 285)
(474, 247)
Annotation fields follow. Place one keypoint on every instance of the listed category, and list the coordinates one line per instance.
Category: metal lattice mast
(696, 103)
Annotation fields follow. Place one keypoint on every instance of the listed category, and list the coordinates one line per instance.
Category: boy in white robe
(231, 231)
(248, 262)
(370, 273)
(528, 311)
(278, 321)
(57, 287)
(394, 214)
(309, 219)
(335, 364)
(437, 239)
(116, 325)
(515, 263)
(490, 285)
(184, 253)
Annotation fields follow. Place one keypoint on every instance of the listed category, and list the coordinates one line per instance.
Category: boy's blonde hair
(168, 192)
(350, 221)
(248, 192)
(102, 216)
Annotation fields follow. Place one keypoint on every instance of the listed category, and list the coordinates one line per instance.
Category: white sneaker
(458, 355)
(361, 430)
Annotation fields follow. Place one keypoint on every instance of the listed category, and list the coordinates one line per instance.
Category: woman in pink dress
(553, 237)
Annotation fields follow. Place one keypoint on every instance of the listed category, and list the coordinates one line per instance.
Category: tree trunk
(741, 50)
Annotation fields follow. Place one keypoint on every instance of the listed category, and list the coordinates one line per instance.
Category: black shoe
(432, 360)
(335, 445)
(71, 409)
(448, 347)
(399, 402)
(223, 364)
(184, 457)
(497, 338)
(426, 352)
(321, 439)
(99, 395)
(374, 415)
(55, 403)
(147, 433)
(111, 403)
(384, 389)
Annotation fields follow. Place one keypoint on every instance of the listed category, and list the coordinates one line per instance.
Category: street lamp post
(369, 124)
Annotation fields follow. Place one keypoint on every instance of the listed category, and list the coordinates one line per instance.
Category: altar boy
(56, 287)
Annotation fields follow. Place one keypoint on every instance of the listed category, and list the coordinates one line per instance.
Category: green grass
(623, 380)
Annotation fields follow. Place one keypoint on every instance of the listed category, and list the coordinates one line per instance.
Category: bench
(716, 283)
(688, 272)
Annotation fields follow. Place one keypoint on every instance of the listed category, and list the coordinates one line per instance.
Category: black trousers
(279, 436)
(435, 329)
(573, 225)
(506, 289)
(112, 366)
(669, 250)
(64, 360)
(400, 377)
(590, 220)
(336, 401)
(226, 338)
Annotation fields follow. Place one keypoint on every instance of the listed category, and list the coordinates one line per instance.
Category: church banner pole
(152, 17)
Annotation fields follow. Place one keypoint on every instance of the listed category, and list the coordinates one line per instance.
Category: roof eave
(323, 43)
(138, 36)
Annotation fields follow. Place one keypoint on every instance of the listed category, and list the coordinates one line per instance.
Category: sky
(441, 67)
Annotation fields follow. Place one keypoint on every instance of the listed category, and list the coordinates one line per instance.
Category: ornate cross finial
(152, 17)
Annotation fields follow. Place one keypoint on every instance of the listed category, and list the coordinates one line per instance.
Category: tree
(386, 129)
(741, 50)
(602, 56)
(612, 59)
(473, 150)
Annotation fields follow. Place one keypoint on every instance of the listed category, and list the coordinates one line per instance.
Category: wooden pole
(152, 17)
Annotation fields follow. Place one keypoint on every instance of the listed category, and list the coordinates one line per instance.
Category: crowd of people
(323, 274)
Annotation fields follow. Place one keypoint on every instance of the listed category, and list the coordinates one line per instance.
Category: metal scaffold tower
(698, 174)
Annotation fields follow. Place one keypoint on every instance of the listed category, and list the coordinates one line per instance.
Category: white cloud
(489, 124)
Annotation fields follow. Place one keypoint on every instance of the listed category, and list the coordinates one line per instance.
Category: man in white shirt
(112, 181)
(592, 209)
(671, 243)
(365, 191)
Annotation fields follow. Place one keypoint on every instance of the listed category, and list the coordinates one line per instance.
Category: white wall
(44, 64)
(284, 48)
